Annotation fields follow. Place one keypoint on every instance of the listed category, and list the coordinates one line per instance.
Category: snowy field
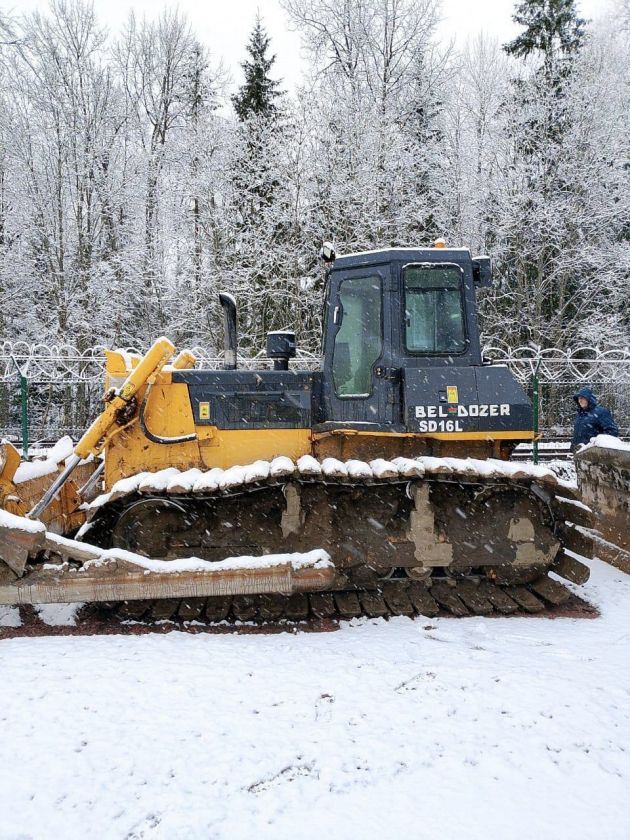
(443, 728)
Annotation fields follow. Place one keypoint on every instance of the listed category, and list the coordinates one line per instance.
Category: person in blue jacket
(591, 419)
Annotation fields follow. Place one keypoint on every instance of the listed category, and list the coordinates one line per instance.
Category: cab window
(434, 309)
(359, 339)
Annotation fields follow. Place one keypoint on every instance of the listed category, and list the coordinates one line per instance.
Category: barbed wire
(589, 365)
(65, 364)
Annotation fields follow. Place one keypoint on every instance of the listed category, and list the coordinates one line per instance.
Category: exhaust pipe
(230, 343)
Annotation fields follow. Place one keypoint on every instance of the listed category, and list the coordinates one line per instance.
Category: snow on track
(443, 728)
(237, 477)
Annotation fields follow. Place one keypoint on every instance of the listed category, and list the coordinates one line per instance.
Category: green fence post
(24, 406)
(535, 400)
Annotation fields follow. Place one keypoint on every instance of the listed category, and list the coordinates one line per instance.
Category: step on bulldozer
(379, 484)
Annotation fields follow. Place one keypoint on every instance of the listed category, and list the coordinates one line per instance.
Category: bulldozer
(379, 484)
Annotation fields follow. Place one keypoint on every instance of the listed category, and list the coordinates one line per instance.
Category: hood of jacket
(590, 396)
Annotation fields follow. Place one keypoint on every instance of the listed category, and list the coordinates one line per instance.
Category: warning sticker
(451, 394)
(204, 410)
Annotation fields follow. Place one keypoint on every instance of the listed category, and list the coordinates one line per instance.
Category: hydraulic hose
(158, 438)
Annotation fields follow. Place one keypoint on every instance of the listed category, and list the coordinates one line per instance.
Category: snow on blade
(28, 470)
(21, 523)
(34, 469)
(61, 450)
(315, 559)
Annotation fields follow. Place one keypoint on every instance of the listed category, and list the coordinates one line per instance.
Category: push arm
(93, 440)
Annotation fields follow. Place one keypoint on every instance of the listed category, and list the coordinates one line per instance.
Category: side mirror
(327, 252)
(482, 271)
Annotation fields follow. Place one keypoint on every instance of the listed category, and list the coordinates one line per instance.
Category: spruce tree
(553, 34)
(257, 97)
(540, 231)
(259, 194)
(552, 28)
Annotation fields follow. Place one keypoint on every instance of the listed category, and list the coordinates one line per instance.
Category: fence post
(23, 380)
(535, 402)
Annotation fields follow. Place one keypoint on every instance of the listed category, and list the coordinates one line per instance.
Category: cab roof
(387, 255)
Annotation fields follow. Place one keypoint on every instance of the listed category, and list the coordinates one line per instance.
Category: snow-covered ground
(443, 728)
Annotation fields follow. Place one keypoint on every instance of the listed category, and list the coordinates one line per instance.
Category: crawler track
(394, 598)
(361, 514)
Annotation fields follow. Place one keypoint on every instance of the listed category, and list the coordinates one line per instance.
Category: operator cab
(401, 345)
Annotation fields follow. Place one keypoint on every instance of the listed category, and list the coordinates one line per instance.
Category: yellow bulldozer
(378, 484)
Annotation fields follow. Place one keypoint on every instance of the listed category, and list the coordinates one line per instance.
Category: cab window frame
(462, 298)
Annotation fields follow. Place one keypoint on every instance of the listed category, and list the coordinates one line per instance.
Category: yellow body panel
(516, 436)
(168, 413)
(131, 452)
(489, 436)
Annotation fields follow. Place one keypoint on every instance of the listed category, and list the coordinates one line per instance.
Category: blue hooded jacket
(592, 420)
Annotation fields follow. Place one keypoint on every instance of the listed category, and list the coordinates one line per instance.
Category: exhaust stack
(230, 343)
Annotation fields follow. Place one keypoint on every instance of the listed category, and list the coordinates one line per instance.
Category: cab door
(360, 385)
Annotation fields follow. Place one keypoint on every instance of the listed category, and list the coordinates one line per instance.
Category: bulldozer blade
(115, 580)
(123, 576)
(19, 540)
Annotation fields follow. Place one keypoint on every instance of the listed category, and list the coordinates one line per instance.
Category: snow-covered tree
(258, 94)
(129, 195)
(59, 97)
(536, 216)
(375, 170)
